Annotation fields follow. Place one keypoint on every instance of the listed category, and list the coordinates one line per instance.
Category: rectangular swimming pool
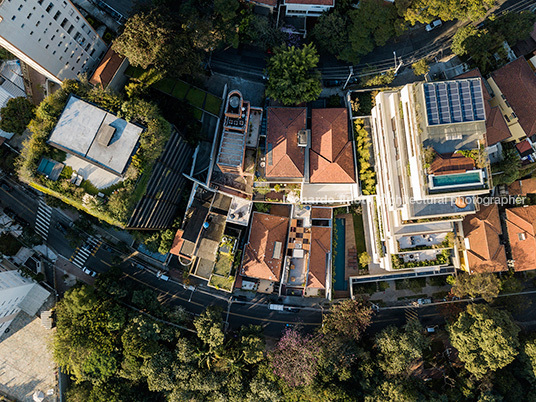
(471, 178)
(340, 257)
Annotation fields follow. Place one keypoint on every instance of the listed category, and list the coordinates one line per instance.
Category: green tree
(485, 285)
(210, 328)
(330, 33)
(348, 318)
(293, 77)
(364, 259)
(16, 115)
(485, 338)
(425, 11)
(420, 67)
(399, 349)
(459, 46)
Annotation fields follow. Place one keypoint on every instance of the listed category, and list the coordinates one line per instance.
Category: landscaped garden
(123, 197)
(223, 274)
(367, 176)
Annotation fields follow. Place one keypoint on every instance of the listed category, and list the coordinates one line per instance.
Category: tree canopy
(16, 115)
(485, 338)
(485, 285)
(425, 11)
(348, 318)
(292, 75)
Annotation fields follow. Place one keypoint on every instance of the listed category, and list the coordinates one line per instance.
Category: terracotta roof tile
(522, 187)
(520, 223)
(486, 253)
(524, 148)
(496, 127)
(517, 82)
(177, 243)
(451, 163)
(318, 262)
(321, 213)
(331, 157)
(107, 68)
(285, 159)
(259, 261)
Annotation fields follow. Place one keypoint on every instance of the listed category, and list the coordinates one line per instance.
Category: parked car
(89, 272)
(433, 25)
(424, 301)
(60, 228)
(162, 275)
(5, 186)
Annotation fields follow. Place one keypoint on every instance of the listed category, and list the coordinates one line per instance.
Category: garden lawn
(359, 233)
(134, 72)
(223, 265)
(196, 97)
(180, 90)
(220, 282)
(165, 85)
(213, 104)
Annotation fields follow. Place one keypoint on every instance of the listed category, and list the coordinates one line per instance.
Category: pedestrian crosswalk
(411, 314)
(81, 254)
(42, 219)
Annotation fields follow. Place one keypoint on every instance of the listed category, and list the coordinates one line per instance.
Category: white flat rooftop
(78, 132)
(329, 193)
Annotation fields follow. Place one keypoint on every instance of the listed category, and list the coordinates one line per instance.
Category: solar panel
(454, 101)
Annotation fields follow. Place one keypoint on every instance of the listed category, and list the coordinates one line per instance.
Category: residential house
(521, 226)
(110, 72)
(264, 251)
(307, 8)
(513, 89)
(427, 141)
(484, 248)
(522, 187)
(496, 128)
(321, 159)
(51, 36)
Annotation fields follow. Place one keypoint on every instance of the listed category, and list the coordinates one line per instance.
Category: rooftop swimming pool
(470, 178)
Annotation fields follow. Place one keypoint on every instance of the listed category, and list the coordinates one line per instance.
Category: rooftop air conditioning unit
(303, 138)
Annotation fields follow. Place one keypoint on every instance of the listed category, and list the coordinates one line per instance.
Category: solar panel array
(454, 102)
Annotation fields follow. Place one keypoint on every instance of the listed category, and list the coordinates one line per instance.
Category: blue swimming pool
(340, 258)
(457, 179)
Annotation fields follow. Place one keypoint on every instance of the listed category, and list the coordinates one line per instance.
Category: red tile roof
(285, 159)
(520, 223)
(517, 82)
(331, 157)
(270, 3)
(177, 243)
(496, 127)
(451, 163)
(522, 187)
(524, 148)
(259, 261)
(107, 68)
(486, 253)
(318, 260)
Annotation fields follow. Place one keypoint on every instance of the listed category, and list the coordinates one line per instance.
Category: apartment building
(51, 36)
(428, 145)
(18, 293)
(307, 8)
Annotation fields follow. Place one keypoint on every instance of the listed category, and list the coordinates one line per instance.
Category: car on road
(89, 272)
(161, 275)
(433, 25)
(6, 186)
(60, 228)
(420, 302)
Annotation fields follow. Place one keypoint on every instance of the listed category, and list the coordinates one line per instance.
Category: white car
(424, 301)
(433, 25)
(162, 276)
(89, 272)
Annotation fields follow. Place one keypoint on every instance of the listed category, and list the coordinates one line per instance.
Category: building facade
(51, 36)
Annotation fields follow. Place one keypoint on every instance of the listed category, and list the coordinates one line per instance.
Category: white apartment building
(428, 145)
(308, 8)
(18, 293)
(51, 36)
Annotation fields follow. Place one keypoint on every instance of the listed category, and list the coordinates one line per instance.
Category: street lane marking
(173, 296)
(19, 202)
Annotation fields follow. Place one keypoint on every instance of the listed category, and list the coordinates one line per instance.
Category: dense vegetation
(119, 343)
(122, 197)
(16, 114)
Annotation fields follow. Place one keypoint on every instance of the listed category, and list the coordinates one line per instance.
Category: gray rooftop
(83, 130)
(232, 148)
(430, 208)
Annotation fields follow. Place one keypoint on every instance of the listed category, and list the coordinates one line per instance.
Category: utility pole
(229, 303)
(349, 76)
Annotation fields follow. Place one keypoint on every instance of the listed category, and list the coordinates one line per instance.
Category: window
(13, 18)
(64, 22)
(31, 33)
(57, 15)
(92, 52)
(53, 36)
(87, 47)
(49, 7)
(46, 47)
(77, 18)
(61, 58)
(22, 26)
(59, 43)
(54, 52)
(70, 29)
(71, 12)
(64, 4)
(29, 15)
(38, 23)
(40, 2)
(20, 8)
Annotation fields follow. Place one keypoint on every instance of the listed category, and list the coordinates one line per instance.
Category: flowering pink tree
(295, 358)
